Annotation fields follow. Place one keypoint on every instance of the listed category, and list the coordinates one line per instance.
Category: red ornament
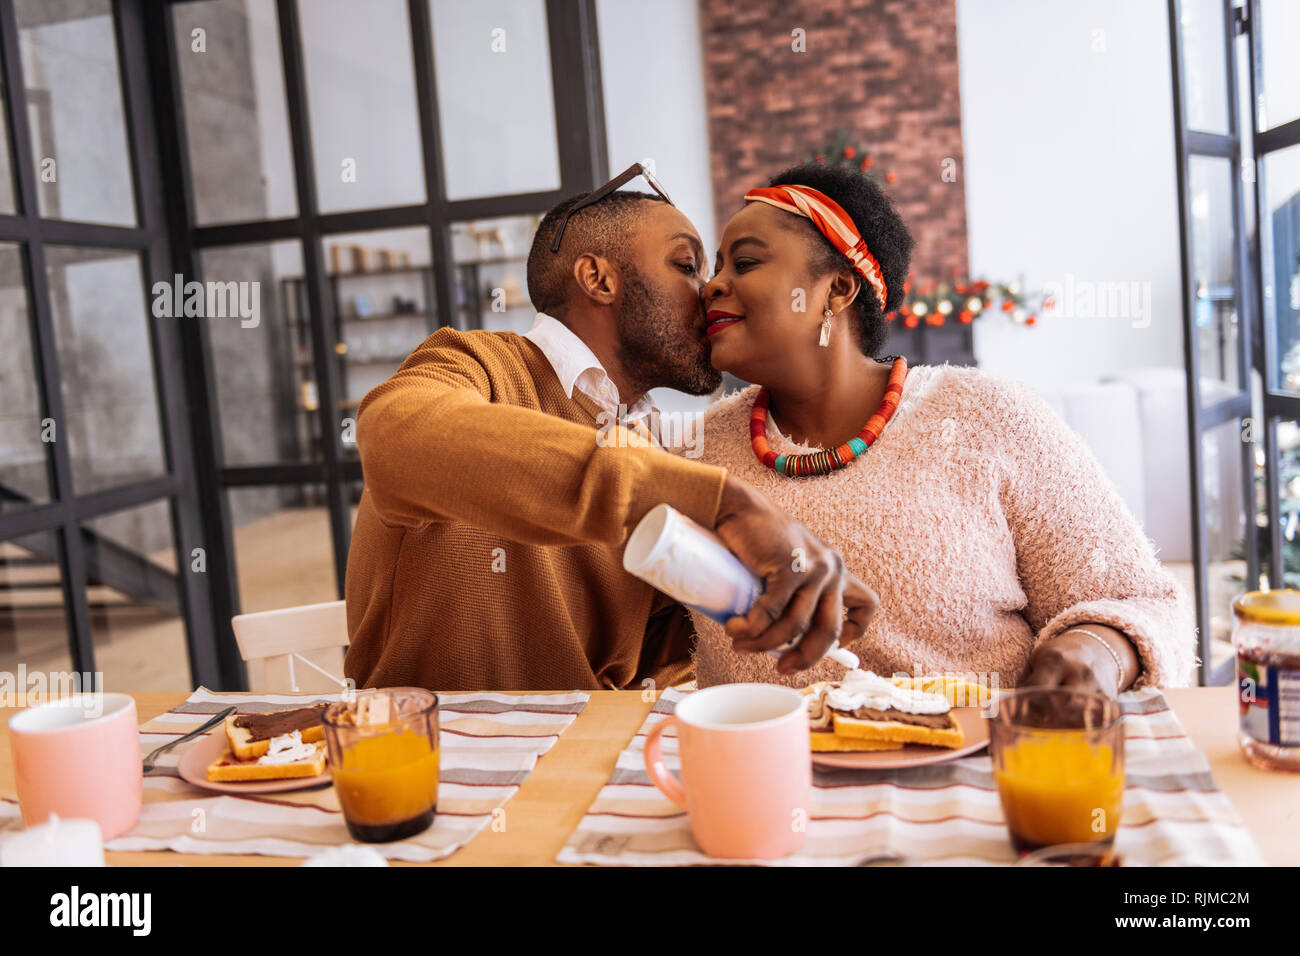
(935, 318)
(867, 163)
(1030, 321)
(849, 152)
(890, 177)
(910, 322)
(966, 316)
(1007, 305)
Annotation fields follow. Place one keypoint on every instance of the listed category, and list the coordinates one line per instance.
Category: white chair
(300, 649)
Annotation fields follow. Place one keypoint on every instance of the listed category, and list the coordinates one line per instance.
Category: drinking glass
(384, 761)
(1058, 761)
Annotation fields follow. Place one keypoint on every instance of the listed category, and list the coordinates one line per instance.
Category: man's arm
(435, 448)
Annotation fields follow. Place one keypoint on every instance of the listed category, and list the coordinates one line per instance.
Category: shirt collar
(567, 353)
(576, 365)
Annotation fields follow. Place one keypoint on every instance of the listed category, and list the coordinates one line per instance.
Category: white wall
(652, 72)
(1279, 34)
(1070, 177)
(361, 102)
(275, 151)
(72, 61)
(494, 97)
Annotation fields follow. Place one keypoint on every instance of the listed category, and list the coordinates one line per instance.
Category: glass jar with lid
(1266, 639)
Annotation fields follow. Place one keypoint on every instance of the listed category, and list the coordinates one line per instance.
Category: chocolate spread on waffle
(266, 726)
(819, 716)
(821, 720)
(903, 717)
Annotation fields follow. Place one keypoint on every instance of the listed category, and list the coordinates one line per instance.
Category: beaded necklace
(824, 462)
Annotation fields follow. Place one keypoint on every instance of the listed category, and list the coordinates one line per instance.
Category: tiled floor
(280, 560)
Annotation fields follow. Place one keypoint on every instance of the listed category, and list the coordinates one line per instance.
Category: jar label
(1269, 702)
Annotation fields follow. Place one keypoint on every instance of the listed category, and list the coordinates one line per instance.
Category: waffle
(230, 767)
(868, 729)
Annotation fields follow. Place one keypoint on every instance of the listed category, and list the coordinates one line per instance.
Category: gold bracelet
(1119, 664)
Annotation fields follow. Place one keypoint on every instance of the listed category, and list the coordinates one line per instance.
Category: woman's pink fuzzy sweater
(985, 525)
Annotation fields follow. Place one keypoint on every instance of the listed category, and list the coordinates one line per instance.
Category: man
(487, 552)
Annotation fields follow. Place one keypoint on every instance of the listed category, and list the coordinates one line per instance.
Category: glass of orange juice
(383, 755)
(1058, 761)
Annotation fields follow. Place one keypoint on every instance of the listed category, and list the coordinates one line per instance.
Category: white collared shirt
(576, 366)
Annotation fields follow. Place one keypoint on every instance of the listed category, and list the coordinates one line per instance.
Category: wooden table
(552, 801)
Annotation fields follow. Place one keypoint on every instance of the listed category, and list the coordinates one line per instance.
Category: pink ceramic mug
(79, 757)
(746, 762)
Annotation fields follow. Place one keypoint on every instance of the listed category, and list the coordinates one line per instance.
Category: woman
(997, 544)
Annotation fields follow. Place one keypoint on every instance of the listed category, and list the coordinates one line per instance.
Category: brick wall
(883, 70)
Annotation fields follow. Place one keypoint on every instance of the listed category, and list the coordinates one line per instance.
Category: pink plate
(973, 726)
(193, 768)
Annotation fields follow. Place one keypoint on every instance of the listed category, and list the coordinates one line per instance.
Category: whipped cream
(842, 655)
(287, 748)
(860, 688)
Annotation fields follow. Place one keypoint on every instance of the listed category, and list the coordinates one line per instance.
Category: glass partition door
(102, 554)
(361, 165)
(1238, 170)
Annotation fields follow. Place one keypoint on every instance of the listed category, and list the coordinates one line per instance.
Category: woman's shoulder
(980, 393)
(1001, 415)
(735, 404)
(961, 378)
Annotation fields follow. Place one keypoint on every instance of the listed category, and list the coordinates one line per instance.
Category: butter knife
(149, 760)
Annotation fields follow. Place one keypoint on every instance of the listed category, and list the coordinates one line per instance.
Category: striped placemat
(946, 814)
(490, 742)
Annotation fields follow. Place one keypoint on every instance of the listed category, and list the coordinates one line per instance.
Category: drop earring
(825, 339)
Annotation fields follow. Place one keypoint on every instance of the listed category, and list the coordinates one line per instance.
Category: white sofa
(1135, 422)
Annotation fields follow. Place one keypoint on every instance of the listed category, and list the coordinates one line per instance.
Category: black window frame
(65, 513)
(169, 241)
(1257, 350)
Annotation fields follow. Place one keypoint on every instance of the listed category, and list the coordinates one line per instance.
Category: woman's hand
(1073, 661)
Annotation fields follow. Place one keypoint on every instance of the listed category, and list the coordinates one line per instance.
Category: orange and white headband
(833, 222)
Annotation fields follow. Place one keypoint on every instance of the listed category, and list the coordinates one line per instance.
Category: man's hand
(806, 587)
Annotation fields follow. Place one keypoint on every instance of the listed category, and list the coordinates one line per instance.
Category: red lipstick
(719, 320)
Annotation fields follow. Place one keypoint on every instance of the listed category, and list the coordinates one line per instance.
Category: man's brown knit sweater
(488, 548)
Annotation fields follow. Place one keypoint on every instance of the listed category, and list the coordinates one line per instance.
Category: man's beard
(652, 353)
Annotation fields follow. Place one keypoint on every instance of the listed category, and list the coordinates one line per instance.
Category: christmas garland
(963, 300)
(839, 152)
